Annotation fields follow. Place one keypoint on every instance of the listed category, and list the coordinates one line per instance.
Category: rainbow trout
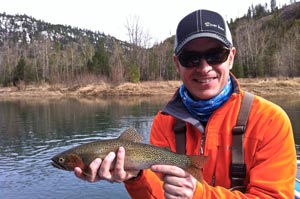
(138, 155)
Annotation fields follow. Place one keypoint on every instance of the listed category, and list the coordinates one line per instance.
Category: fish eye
(61, 160)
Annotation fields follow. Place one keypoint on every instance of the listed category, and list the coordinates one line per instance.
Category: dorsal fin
(131, 135)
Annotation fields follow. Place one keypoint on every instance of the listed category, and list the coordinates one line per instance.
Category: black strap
(180, 131)
(238, 166)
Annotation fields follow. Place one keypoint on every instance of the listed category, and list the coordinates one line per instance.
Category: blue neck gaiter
(202, 109)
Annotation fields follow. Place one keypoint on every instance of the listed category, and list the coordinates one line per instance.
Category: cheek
(75, 161)
(185, 75)
(224, 78)
(181, 71)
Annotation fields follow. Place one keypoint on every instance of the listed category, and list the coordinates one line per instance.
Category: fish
(138, 155)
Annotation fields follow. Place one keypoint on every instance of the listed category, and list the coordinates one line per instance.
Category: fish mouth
(56, 165)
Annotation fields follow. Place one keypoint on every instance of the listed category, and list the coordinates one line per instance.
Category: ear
(231, 57)
(176, 62)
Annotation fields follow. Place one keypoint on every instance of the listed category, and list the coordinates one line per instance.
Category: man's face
(204, 80)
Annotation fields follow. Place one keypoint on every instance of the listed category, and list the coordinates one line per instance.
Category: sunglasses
(213, 57)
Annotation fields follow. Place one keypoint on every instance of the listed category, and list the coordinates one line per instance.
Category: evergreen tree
(100, 60)
(273, 5)
(134, 73)
(20, 69)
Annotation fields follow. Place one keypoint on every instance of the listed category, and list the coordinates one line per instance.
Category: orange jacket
(269, 151)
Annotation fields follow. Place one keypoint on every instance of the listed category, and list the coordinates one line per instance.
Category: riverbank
(268, 86)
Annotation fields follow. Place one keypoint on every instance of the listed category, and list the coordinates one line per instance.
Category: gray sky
(158, 18)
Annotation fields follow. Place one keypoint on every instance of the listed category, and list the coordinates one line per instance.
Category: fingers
(171, 191)
(111, 168)
(104, 171)
(119, 172)
(170, 170)
(114, 171)
(93, 168)
(78, 173)
(177, 182)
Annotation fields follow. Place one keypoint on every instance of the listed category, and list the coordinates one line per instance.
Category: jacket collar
(176, 108)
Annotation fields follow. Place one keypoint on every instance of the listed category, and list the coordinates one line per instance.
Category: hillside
(26, 29)
(268, 44)
(34, 51)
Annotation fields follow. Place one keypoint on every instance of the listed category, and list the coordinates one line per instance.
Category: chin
(206, 95)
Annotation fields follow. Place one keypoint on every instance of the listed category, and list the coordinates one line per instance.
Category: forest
(267, 39)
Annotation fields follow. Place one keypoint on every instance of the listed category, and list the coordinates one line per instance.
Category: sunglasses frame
(212, 57)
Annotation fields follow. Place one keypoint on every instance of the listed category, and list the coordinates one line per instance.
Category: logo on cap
(209, 24)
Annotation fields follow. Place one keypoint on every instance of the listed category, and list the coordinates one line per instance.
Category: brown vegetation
(264, 87)
(272, 86)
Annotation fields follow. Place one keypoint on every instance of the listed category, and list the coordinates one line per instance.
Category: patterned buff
(202, 109)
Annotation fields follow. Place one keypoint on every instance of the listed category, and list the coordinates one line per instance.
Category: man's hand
(177, 182)
(106, 170)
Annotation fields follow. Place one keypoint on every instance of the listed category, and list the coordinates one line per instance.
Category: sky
(157, 18)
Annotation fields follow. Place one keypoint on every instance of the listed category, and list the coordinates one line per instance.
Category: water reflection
(292, 107)
(33, 130)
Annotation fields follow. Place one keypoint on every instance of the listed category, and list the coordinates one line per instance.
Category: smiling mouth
(203, 81)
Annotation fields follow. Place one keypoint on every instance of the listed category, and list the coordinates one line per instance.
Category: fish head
(68, 161)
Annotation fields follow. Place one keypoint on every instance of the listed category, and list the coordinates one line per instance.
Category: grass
(260, 86)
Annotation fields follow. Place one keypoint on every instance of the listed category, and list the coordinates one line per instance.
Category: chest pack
(238, 167)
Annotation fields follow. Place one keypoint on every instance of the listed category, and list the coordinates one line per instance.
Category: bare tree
(140, 41)
(252, 43)
(116, 64)
(45, 66)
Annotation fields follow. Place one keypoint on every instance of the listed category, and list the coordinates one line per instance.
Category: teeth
(204, 80)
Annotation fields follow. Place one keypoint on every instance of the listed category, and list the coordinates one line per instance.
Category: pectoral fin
(195, 168)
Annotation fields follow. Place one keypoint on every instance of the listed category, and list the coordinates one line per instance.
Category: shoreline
(263, 87)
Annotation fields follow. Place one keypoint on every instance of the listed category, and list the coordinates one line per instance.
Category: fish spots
(138, 155)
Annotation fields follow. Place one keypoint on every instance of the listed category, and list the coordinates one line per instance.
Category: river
(33, 130)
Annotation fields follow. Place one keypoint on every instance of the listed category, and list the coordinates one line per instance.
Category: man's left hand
(177, 182)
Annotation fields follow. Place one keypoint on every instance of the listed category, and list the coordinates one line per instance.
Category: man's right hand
(101, 170)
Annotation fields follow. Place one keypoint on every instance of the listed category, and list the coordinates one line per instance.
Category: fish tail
(197, 163)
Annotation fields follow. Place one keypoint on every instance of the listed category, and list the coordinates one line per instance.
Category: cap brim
(202, 35)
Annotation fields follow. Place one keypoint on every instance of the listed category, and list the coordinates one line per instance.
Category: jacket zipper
(213, 181)
(202, 144)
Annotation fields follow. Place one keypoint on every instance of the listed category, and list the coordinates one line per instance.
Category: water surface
(33, 130)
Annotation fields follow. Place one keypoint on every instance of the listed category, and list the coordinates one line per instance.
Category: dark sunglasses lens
(192, 59)
(217, 57)
(189, 59)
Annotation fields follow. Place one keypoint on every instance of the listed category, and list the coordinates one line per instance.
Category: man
(208, 102)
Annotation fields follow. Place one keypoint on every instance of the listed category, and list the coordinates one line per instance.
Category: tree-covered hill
(268, 43)
(31, 50)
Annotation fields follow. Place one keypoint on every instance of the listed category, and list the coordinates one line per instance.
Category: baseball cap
(202, 23)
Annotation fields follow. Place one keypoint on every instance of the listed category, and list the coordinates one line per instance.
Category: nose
(203, 66)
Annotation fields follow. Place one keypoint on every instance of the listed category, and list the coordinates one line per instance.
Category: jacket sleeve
(273, 164)
(146, 186)
(271, 161)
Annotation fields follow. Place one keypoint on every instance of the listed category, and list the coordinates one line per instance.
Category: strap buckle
(238, 130)
(237, 174)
